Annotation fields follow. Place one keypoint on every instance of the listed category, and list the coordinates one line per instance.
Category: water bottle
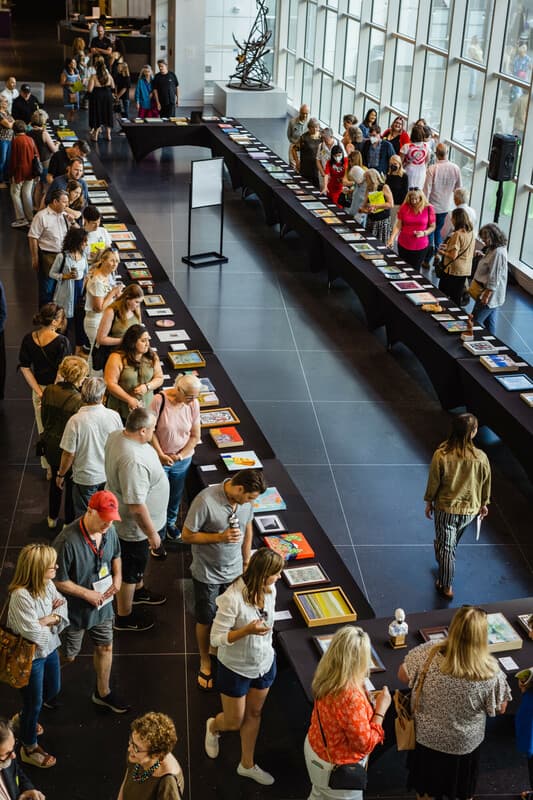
(234, 521)
(62, 121)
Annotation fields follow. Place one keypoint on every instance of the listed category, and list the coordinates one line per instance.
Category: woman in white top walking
(242, 632)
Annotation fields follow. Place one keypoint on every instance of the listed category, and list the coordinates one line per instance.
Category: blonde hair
(346, 662)
(416, 199)
(102, 257)
(33, 562)
(397, 160)
(466, 650)
(122, 68)
(373, 180)
(263, 564)
(78, 45)
(73, 369)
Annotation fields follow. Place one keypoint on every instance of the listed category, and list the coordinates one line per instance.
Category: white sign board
(206, 177)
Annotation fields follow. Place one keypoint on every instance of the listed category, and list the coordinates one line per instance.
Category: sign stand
(206, 189)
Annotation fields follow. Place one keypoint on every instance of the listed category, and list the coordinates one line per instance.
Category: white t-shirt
(85, 435)
(98, 240)
(96, 287)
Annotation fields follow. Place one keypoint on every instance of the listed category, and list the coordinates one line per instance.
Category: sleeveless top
(130, 377)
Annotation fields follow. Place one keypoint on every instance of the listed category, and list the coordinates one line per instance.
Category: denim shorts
(234, 685)
(134, 559)
(205, 595)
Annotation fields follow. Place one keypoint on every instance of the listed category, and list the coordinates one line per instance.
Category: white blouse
(24, 614)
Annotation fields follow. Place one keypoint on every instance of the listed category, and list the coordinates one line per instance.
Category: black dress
(101, 107)
(308, 153)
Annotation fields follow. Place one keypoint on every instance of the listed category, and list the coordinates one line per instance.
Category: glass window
(325, 98)
(467, 107)
(374, 71)
(439, 24)
(293, 19)
(289, 80)
(408, 17)
(465, 164)
(477, 29)
(379, 11)
(354, 7)
(434, 77)
(351, 50)
(307, 84)
(333, 3)
(401, 83)
(328, 60)
(347, 104)
(527, 244)
(310, 30)
(516, 57)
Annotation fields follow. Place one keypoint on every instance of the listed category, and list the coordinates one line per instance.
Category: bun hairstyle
(48, 313)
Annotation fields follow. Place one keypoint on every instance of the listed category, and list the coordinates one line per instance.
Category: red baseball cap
(106, 504)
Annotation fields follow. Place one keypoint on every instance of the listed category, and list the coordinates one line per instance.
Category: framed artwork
(324, 606)
(154, 300)
(217, 416)
(122, 236)
(135, 274)
(270, 523)
(159, 312)
(125, 245)
(308, 575)
(134, 254)
(186, 358)
(526, 621)
(436, 634)
(502, 635)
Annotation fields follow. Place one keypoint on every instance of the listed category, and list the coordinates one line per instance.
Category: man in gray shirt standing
(134, 473)
(218, 527)
(295, 129)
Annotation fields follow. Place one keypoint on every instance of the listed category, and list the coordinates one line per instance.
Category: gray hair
(5, 729)
(188, 383)
(313, 123)
(460, 196)
(139, 418)
(327, 132)
(92, 391)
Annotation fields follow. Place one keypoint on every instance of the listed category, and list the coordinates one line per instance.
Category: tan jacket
(458, 485)
(459, 253)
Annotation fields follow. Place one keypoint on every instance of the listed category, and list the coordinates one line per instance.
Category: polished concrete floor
(355, 426)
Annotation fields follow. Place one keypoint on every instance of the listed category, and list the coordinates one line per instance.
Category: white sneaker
(20, 223)
(256, 774)
(211, 740)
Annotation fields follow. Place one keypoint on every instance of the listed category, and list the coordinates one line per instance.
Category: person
(59, 402)
(371, 118)
(122, 86)
(355, 179)
(45, 146)
(45, 238)
(376, 151)
(397, 135)
(116, 319)
(23, 151)
(101, 46)
(165, 89)
(415, 157)
(75, 201)
(10, 92)
(474, 53)
(98, 237)
(442, 179)
(296, 128)
(242, 633)
(460, 197)
(323, 155)
(97, 23)
(143, 93)
(38, 612)
(491, 274)
(64, 155)
(398, 183)
(70, 271)
(3, 318)
(89, 574)
(133, 373)
(457, 253)
(25, 104)
(377, 204)
(457, 491)
(334, 174)
(70, 80)
(345, 726)
(74, 172)
(83, 62)
(176, 435)
(521, 69)
(14, 782)
(100, 292)
(100, 91)
(218, 527)
(463, 685)
(6, 136)
(524, 724)
(152, 770)
(414, 222)
(306, 152)
(134, 473)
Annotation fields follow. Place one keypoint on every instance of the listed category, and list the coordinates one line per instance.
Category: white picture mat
(206, 182)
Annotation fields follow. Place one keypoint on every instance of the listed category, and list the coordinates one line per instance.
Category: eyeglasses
(9, 755)
(135, 748)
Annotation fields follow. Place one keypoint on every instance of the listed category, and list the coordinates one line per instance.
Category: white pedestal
(247, 103)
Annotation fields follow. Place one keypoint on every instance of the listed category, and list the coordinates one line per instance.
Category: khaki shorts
(101, 634)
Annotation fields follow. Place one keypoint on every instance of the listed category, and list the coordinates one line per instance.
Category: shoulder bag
(441, 270)
(476, 289)
(404, 724)
(343, 776)
(173, 781)
(16, 657)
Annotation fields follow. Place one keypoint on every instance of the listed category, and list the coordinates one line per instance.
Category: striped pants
(448, 528)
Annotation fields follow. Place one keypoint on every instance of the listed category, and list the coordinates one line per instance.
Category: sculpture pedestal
(247, 103)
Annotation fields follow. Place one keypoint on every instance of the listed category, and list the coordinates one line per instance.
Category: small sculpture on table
(252, 72)
(468, 335)
(398, 629)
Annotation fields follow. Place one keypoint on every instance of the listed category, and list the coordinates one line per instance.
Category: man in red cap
(89, 574)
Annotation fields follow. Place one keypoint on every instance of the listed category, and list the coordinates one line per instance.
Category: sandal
(37, 757)
(205, 682)
(15, 722)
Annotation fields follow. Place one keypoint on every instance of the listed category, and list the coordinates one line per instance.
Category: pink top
(412, 222)
(175, 422)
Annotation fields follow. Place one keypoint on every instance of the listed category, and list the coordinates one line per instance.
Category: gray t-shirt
(220, 562)
(78, 563)
(85, 435)
(135, 476)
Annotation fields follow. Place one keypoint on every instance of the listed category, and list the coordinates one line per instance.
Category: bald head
(441, 151)
(304, 112)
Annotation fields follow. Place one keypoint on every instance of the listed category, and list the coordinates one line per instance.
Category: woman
(345, 726)
(176, 434)
(152, 772)
(143, 92)
(70, 76)
(75, 200)
(398, 183)
(6, 135)
(242, 632)
(100, 291)
(415, 157)
(376, 205)
(83, 61)
(123, 312)
(491, 275)
(100, 91)
(306, 152)
(38, 613)
(457, 491)
(123, 85)
(46, 147)
(457, 253)
(414, 222)
(59, 402)
(133, 373)
(355, 180)
(40, 355)
(334, 174)
(69, 270)
(463, 686)
(397, 135)
(371, 117)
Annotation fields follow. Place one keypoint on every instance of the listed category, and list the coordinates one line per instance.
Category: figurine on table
(398, 629)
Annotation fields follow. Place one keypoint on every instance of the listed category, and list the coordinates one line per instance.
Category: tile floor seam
(511, 532)
(19, 491)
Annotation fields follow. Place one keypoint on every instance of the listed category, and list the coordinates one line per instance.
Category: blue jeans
(435, 240)
(485, 316)
(47, 287)
(125, 105)
(5, 149)
(44, 684)
(176, 478)
(81, 494)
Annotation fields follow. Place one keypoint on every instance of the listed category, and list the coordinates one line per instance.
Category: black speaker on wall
(502, 157)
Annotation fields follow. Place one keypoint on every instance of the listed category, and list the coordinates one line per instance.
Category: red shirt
(336, 174)
(347, 722)
(22, 151)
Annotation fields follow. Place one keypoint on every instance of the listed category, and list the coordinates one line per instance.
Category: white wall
(186, 54)
(222, 19)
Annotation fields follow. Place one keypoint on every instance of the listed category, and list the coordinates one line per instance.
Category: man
(165, 87)
(324, 152)
(23, 151)
(135, 475)
(442, 179)
(63, 156)
(219, 528)
(89, 574)
(376, 151)
(460, 196)
(98, 237)
(101, 45)
(83, 443)
(25, 104)
(73, 172)
(45, 237)
(14, 783)
(296, 128)
(10, 92)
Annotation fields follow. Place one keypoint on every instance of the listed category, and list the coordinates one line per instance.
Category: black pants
(168, 110)
(453, 286)
(413, 257)
(55, 495)
(2, 365)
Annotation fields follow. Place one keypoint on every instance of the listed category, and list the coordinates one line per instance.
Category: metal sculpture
(252, 72)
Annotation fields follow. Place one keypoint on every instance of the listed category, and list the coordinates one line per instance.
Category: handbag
(476, 289)
(344, 200)
(404, 724)
(441, 270)
(344, 776)
(36, 167)
(16, 657)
